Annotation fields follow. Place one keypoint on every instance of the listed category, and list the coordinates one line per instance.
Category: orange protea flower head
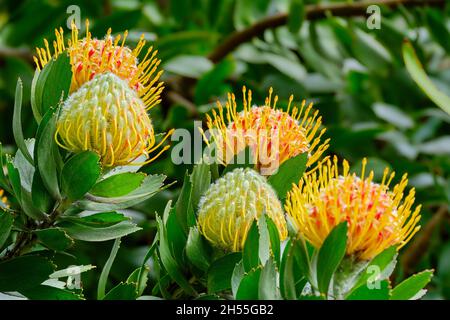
(231, 204)
(273, 135)
(90, 56)
(378, 217)
(3, 199)
(106, 116)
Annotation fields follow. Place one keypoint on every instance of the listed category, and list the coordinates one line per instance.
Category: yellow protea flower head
(273, 135)
(90, 57)
(231, 204)
(378, 217)
(106, 116)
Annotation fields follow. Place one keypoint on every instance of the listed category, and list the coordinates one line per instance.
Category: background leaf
(416, 71)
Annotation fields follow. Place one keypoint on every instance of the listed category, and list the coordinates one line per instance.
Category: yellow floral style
(272, 134)
(378, 217)
(229, 207)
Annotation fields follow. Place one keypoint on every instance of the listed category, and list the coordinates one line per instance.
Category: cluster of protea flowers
(378, 217)
(106, 112)
(111, 92)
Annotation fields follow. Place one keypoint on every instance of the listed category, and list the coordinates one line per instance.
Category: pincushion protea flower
(273, 135)
(106, 116)
(232, 203)
(90, 56)
(377, 217)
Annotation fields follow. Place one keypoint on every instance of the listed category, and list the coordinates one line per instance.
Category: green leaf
(296, 15)
(84, 232)
(144, 269)
(330, 255)
(6, 223)
(438, 29)
(274, 236)
(150, 186)
(177, 238)
(197, 250)
(14, 179)
(393, 115)
(40, 197)
(289, 66)
(34, 104)
(371, 293)
(290, 274)
(45, 153)
(250, 253)
(288, 173)
(268, 282)
(51, 86)
(213, 82)
(221, 271)
(98, 220)
(71, 271)
(189, 66)
(264, 242)
(248, 12)
(169, 262)
(412, 288)
(183, 206)
(123, 291)
(24, 272)
(19, 174)
(236, 277)
(139, 278)
(26, 170)
(384, 263)
(79, 174)
(54, 238)
(418, 74)
(170, 44)
(44, 292)
(200, 179)
(370, 51)
(118, 185)
(28, 208)
(17, 123)
(4, 184)
(106, 269)
(302, 256)
(249, 286)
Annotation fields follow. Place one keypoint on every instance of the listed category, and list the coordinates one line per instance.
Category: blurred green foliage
(355, 76)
